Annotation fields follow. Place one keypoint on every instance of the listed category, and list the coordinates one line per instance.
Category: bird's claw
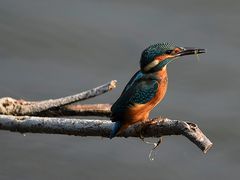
(144, 126)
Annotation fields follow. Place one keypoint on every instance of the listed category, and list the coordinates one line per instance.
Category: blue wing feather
(144, 94)
(138, 91)
(138, 75)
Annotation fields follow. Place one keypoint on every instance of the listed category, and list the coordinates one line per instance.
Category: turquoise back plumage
(138, 75)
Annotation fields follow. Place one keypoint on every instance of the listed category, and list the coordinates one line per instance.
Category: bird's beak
(190, 51)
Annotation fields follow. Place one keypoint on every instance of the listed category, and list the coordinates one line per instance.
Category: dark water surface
(53, 48)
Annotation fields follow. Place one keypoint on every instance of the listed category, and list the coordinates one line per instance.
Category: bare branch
(84, 110)
(103, 110)
(61, 107)
(157, 128)
(10, 106)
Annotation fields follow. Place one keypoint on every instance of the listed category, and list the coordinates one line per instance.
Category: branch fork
(20, 116)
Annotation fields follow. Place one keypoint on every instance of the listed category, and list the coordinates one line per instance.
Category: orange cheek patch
(163, 57)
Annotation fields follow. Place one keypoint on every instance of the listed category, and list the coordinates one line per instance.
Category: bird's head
(157, 56)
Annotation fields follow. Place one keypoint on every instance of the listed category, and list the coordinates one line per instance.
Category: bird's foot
(146, 124)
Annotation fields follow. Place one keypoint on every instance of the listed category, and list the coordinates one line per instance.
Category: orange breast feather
(140, 112)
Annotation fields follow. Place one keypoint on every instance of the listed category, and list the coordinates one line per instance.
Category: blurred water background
(53, 48)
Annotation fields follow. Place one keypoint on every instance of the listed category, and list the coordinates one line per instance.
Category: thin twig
(10, 106)
(159, 127)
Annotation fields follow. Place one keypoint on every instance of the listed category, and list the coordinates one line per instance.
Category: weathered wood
(84, 127)
(10, 106)
(79, 110)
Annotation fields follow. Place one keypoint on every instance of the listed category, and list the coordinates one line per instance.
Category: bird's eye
(168, 52)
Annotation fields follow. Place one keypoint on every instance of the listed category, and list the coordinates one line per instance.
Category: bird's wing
(141, 92)
(138, 75)
(144, 92)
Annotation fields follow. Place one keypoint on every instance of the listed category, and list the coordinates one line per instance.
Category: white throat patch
(151, 65)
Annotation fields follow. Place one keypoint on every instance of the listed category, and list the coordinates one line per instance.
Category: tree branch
(79, 110)
(61, 107)
(157, 128)
(10, 106)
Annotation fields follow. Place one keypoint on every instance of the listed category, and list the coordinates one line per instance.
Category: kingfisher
(148, 86)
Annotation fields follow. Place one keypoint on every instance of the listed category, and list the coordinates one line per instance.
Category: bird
(148, 86)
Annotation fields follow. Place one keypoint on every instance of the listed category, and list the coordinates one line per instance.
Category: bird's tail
(116, 129)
